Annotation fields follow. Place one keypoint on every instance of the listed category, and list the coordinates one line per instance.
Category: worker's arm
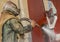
(18, 27)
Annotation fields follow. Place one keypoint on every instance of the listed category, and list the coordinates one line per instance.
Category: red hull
(37, 13)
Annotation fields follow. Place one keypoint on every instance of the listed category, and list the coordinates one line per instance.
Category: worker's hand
(33, 23)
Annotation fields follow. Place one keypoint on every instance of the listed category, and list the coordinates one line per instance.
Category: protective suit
(10, 25)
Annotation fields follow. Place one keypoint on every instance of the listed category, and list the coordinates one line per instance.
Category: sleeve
(16, 26)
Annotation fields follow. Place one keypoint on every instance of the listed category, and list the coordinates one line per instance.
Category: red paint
(36, 11)
(57, 5)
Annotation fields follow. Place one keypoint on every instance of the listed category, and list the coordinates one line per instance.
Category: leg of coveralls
(28, 37)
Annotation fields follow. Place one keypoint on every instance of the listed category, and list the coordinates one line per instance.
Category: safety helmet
(11, 7)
